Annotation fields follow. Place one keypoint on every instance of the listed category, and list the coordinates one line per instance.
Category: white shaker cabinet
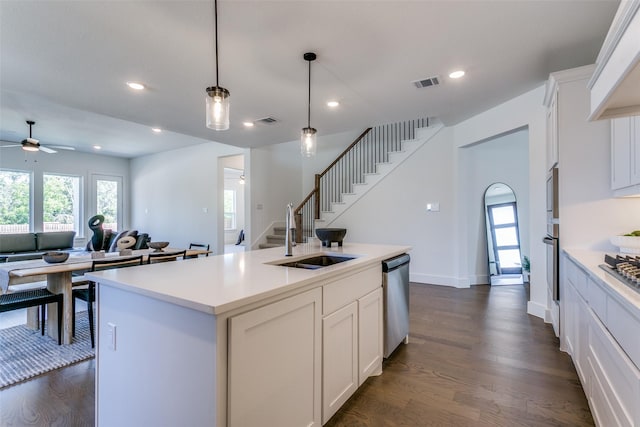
(370, 335)
(340, 357)
(275, 363)
(625, 155)
(552, 127)
(599, 332)
(352, 336)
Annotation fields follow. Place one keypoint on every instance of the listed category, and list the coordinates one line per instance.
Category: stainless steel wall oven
(553, 234)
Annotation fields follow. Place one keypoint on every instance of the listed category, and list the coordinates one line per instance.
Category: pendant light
(217, 97)
(308, 137)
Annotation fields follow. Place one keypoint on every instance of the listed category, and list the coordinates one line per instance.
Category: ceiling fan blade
(47, 150)
(62, 147)
(9, 146)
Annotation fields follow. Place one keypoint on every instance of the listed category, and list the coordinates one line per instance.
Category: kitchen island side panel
(162, 371)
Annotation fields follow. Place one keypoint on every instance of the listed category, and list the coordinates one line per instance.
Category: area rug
(24, 353)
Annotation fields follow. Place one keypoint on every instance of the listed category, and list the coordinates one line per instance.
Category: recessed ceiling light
(456, 74)
(97, 147)
(248, 124)
(333, 104)
(156, 130)
(135, 85)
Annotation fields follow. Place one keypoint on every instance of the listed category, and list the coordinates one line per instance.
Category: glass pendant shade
(217, 108)
(308, 142)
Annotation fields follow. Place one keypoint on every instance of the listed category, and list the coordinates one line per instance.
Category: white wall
(589, 215)
(274, 180)
(526, 110)
(394, 212)
(503, 159)
(176, 195)
(70, 163)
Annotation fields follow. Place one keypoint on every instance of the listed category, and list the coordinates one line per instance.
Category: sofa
(25, 246)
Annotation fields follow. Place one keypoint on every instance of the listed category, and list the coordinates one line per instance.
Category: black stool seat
(32, 298)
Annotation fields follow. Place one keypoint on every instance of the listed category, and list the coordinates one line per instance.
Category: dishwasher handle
(394, 263)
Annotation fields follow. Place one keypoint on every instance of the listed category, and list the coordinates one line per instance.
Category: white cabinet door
(634, 138)
(552, 132)
(370, 332)
(275, 364)
(340, 358)
(621, 153)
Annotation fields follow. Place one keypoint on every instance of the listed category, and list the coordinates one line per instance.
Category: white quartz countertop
(590, 261)
(217, 284)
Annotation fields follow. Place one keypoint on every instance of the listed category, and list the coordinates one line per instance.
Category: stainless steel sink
(317, 261)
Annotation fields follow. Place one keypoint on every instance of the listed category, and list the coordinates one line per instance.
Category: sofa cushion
(19, 242)
(55, 240)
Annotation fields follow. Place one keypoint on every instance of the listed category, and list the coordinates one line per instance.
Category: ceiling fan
(32, 144)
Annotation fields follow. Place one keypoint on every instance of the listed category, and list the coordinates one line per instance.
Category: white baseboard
(538, 310)
(431, 279)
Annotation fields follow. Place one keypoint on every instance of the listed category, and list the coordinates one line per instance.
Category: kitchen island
(238, 340)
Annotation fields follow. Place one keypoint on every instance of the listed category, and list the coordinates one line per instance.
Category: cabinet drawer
(343, 291)
(624, 327)
(615, 386)
(597, 298)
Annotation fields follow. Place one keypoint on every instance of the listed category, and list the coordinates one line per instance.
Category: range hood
(615, 85)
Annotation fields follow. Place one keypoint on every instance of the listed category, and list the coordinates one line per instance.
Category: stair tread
(268, 245)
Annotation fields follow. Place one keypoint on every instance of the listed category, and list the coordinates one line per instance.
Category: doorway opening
(234, 204)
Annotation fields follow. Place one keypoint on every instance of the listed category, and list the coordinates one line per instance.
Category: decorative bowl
(329, 235)
(55, 257)
(158, 246)
(627, 244)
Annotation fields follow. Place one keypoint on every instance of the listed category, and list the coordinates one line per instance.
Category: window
(60, 202)
(107, 202)
(15, 201)
(229, 209)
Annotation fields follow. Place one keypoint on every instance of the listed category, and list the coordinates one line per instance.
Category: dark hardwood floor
(475, 359)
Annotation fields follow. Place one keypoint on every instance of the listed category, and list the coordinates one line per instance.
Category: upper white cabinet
(615, 85)
(552, 126)
(625, 156)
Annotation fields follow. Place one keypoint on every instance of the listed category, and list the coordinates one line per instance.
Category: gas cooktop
(625, 268)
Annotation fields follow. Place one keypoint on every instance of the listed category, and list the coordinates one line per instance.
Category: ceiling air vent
(266, 121)
(429, 81)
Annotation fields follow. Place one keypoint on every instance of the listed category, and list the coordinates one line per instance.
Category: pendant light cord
(215, 24)
(309, 105)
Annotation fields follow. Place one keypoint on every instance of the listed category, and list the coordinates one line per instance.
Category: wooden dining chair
(32, 298)
(156, 257)
(86, 290)
(198, 246)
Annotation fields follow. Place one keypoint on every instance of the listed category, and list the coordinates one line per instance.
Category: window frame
(80, 220)
(93, 206)
(234, 213)
(30, 174)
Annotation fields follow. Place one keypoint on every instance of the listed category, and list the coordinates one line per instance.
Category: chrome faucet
(290, 225)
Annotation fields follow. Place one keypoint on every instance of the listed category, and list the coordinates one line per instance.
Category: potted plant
(526, 268)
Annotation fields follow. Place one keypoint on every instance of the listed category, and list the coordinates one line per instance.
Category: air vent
(266, 121)
(429, 81)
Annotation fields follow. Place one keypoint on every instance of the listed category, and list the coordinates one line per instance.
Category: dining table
(58, 278)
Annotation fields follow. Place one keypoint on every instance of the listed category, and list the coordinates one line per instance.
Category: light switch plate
(433, 207)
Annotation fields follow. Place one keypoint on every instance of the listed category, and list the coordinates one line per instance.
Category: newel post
(298, 216)
(316, 207)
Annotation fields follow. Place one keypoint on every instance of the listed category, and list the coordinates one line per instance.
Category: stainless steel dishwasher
(395, 284)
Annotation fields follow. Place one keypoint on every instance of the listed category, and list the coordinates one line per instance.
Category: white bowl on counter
(627, 244)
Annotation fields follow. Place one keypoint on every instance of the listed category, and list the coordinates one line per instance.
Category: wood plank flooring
(475, 359)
